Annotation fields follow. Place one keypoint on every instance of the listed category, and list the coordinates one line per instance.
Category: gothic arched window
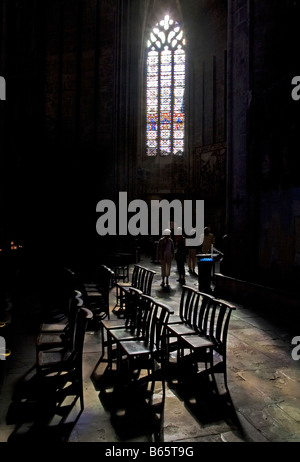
(165, 89)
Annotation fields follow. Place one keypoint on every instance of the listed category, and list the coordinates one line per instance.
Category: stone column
(238, 101)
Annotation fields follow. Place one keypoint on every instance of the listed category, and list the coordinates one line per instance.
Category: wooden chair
(193, 305)
(96, 294)
(121, 266)
(185, 307)
(141, 279)
(128, 322)
(149, 349)
(132, 329)
(210, 345)
(65, 337)
(59, 327)
(57, 289)
(63, 368)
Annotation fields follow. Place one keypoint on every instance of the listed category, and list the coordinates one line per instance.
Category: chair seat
(53, 327)
(122, 334)
(94, 293)
(195, 341)
(113, 323)
(124, 285)
(180, 329)
(54, 338)
(52, 357)
(175, 319)
(90, 285)
(137, 347)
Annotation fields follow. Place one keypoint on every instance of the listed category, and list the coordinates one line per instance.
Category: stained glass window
(165, 89)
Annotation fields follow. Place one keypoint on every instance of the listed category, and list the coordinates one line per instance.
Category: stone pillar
(238, 100)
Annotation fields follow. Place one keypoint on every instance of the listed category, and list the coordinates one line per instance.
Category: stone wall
(263, 194)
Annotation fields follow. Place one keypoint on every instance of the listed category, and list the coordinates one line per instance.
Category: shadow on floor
(136, 412)
(42, 411)
(204, 400)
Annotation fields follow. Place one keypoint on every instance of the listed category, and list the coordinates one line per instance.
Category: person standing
(180, 255)
(165, 254)
(191, 255)
(208, 240)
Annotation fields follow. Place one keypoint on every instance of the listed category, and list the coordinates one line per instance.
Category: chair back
(82, 319)
(204, 315)
(68, 335)
(189, 305)
(106, 276)
(163, 313)
(155, 317)
(219, 322)
(131, 307)
(142, 279)
(146, 279)
(135, 276)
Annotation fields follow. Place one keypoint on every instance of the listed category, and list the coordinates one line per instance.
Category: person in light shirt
(165, 254)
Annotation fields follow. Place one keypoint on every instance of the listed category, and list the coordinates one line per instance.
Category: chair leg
(109, 350)
(81, 398)
(102, 341)
(225, 373)
(153, 379)
(122, 369)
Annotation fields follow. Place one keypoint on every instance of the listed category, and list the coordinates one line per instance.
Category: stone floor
(263, 379)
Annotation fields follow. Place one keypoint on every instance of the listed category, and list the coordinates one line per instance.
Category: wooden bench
(209, 344)
(141, 279)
